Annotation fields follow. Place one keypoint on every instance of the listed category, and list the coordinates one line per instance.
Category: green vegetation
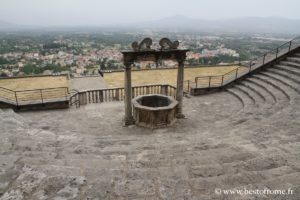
(106, 64)
(53, 45)
(213, 60)
(34, 69)
(3, 61)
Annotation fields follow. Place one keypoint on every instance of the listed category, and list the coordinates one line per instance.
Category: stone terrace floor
(86, 153)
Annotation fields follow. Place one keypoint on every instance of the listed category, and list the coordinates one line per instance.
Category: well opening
(154, 101)
(154, 111)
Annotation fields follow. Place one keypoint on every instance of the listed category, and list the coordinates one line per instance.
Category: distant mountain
(183, 23)
(250, 24)
(7, 26)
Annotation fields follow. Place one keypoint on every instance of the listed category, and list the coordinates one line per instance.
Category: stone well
(154, 111)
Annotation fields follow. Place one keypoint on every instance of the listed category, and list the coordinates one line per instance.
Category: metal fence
(36, 96)
(221, 80)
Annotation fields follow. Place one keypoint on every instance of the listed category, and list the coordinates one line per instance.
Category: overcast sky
(99, 12)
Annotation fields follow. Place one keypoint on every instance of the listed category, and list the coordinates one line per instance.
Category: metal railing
(36, 96)
(224, 79)
(74, 98)
(117, 94)
(7, 95)
(40, 96)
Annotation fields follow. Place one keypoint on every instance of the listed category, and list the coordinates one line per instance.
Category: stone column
(128, 120)
(179, 90)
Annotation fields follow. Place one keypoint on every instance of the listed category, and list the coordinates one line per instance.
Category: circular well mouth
(154, 101)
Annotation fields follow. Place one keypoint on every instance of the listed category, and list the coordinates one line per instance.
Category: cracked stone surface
(86, 153)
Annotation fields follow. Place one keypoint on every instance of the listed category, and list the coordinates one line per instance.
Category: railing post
(236, 73)
(85, 97)
(164, 90)
(276, 54)
(209, 81)
(16, 98)
(132, 92)
(101, 96)
(188, 86)
(222, 80)
(250, 66)
(290, 46)
(117, 95)
(77, 100)
(264, 59)
(88, 97)
(196, 80)
(66, 93)
(41, 92)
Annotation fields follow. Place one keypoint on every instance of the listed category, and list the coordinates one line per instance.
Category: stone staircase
(272, 88)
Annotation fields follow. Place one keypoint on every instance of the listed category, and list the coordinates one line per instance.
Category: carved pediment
(167, 44)
(144, 45)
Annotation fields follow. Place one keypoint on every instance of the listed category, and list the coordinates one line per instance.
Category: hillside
(250, 24)
(183, 23)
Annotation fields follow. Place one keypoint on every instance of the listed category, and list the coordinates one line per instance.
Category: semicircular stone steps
(279, 89)
(289, 74)
(281, 98)
(256, 94)
(291, 64)
(239, 106)
(263, 90)
(238, 97)
(263, 102)
(247, 101)
(259, 93)
(286, 78)
(293, 59)
(246, 92)
(252, 99)
(275, 98)
(264, 98)
(269, 91)
(289, 69)
(257, 99)
(248, 109)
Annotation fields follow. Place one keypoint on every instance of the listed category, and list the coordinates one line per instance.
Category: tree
(54, 68)
(3, 61)
(28, 69)
(102, 63)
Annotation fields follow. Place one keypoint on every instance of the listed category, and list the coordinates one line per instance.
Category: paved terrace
(85, 153)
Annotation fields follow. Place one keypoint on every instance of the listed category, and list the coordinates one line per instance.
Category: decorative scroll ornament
(167, 44)
(144, 45)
